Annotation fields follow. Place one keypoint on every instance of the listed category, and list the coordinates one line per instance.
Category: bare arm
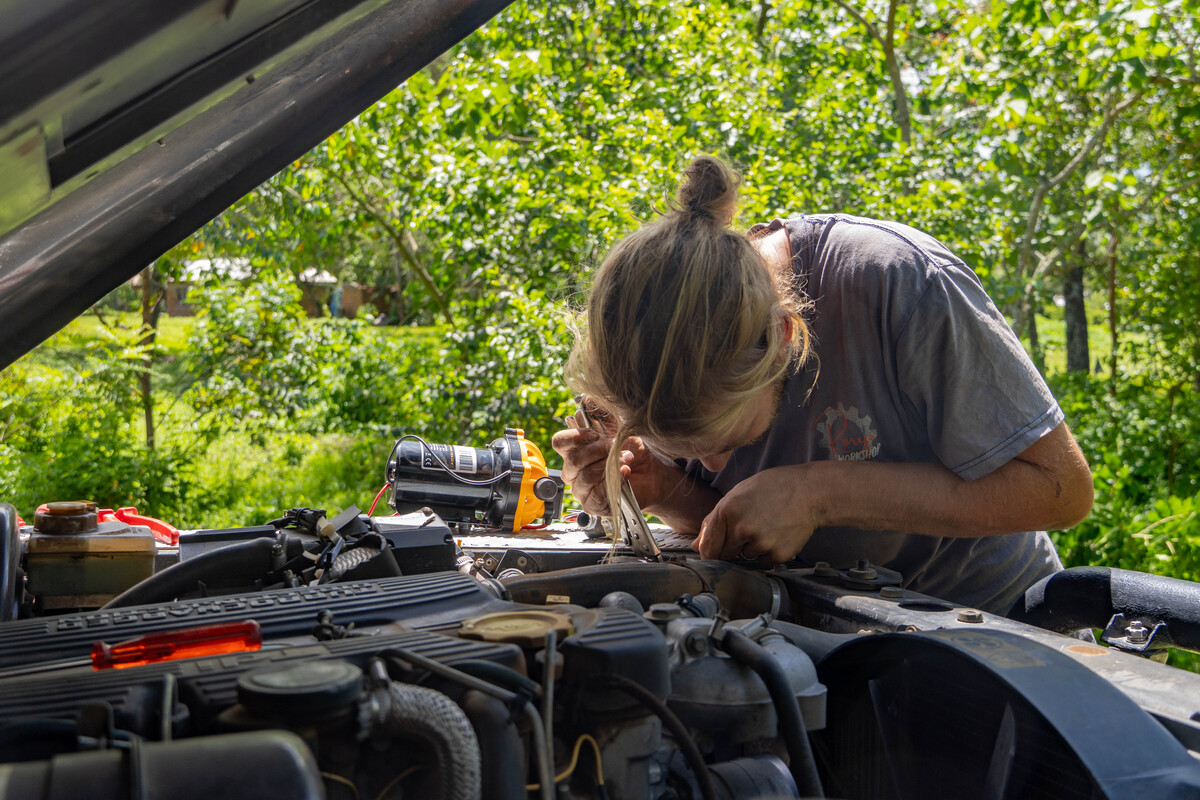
(773, 514)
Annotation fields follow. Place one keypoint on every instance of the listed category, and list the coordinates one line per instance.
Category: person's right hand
(584, 452)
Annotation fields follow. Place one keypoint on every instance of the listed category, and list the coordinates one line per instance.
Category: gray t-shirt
(913, 364)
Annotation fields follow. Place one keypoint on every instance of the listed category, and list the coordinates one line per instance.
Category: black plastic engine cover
(421, 601)
(620, 641)
(207, 686)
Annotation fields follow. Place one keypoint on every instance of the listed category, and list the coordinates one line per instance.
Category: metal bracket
(1137, 637)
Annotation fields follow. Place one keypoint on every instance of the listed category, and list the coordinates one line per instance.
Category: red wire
(533, 527)
(386, 486)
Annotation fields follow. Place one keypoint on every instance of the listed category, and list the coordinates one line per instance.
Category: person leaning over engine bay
(830, 388)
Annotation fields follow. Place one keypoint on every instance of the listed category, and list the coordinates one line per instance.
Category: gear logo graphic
(848, 435)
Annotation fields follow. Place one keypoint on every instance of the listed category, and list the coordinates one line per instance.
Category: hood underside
(126, 126)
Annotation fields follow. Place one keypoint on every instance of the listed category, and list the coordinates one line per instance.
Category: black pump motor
(507, 482)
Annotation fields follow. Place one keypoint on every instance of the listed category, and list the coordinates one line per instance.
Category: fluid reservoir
(74, 561)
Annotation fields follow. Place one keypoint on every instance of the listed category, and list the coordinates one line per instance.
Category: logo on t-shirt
(848, 435)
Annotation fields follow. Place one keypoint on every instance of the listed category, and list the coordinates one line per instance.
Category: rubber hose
(687, 745)
(235, 564)
(350, 559)
(814, 643)
(498, 673)
(787, 709)
(434, 719)
(1088, 597)
(499, 746)
(745, 593)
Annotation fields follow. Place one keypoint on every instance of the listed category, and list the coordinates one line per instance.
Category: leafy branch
(1025, 254)
(407, 248)
(887, 41)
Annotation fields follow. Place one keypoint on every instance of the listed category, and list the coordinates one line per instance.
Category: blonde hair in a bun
(682, 328)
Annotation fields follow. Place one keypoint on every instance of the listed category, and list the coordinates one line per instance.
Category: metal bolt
(822, 570)
(489, 562)
(891, 591)
(695, 643)
(907, 629)
(427, 511)
(862, 571)
(1137, 633)
(522, 561)
(970, 615)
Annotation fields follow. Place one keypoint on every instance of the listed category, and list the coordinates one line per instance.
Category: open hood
(125, 126)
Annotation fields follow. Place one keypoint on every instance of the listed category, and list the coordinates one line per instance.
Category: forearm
(682, 503)
(930, 499)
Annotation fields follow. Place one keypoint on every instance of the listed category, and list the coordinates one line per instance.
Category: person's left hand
(768, 516)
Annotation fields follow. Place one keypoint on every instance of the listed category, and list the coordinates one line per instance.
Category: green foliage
(245, 482)
(250, 350)
(1143, 444)
(477, 196)
(72, 433)
(502, 370)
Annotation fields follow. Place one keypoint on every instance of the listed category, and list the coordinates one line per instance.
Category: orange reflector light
(206, 640)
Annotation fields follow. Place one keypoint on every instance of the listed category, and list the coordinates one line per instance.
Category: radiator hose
(1088, 597)
(404, 710)
(787, 709)
(238, 564)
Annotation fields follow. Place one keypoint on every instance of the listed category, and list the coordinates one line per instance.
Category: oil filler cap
(522, 628)
(301, 693)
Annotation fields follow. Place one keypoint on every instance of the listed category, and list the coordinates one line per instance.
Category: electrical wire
(386, 486)
(570, 770)
(671, 722)
(396, 780)
(329, 776)
(429, 449)
(550, 661)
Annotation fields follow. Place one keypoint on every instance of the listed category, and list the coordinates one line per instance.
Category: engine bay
(452, 649)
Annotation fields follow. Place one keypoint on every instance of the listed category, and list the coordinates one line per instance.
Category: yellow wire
(566, 773)
(329, 776)
(397, 780)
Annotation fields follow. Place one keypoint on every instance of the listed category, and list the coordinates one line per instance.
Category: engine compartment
(412, 662)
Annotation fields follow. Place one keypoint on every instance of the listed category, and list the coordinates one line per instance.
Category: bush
(1144, 448)
(252, 351)
(505, 369)
(242, 482)
(74, 433)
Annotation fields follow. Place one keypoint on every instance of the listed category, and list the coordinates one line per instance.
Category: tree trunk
(396, 299)
(1075, 314)
(1173, 446)
(1035, 347)
(763, 10)
(151, 310)
(1196, 339)
(1112, 313)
